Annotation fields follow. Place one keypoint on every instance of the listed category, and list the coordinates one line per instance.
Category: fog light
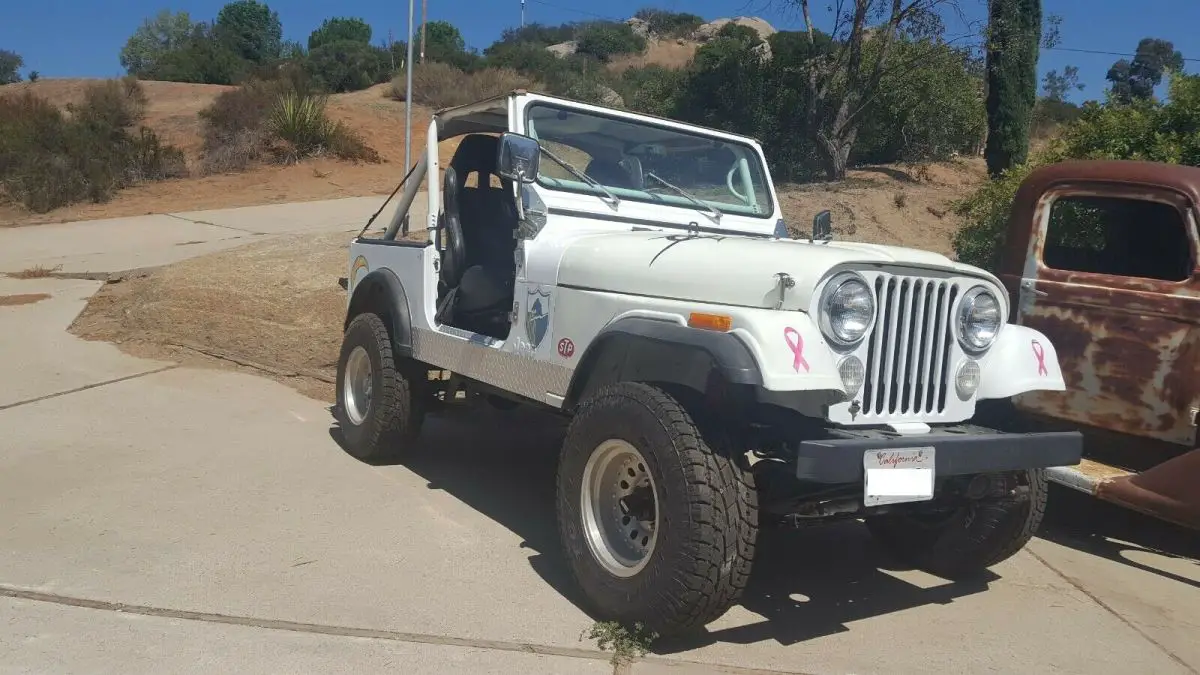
(966, 382)
(852, 371)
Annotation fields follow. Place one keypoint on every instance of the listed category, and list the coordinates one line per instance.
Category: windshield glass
(619, 154)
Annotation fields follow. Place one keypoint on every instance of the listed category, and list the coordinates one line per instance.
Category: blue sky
(75, 38)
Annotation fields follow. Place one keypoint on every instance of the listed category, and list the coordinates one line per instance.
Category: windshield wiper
(616, 201)
(709, 210)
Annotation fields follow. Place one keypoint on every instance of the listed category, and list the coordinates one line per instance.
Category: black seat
(478, 270)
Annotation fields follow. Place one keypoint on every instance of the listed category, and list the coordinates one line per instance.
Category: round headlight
(979, 319)
(847, 309)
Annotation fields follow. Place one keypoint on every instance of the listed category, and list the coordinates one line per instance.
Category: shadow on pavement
(503, 465)
(1105, 530)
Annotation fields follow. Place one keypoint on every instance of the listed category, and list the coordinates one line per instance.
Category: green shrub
(652, 90)
(347, 65)
(669, 24)
(603, 40)
(280, 120)
(49, 159)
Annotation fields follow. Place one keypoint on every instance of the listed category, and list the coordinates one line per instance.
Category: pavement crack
(209, 222)
(1109, 608)
(85, 387)
(357, 632)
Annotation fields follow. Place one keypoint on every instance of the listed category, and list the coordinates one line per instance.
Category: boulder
(639, 26)
(563, 48)
(709, 30)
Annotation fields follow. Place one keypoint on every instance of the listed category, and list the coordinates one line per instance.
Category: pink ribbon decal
(796, 343)
(1040, 353)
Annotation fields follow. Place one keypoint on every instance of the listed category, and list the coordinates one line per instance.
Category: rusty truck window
(1120, 236)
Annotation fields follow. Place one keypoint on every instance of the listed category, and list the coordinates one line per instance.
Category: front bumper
(959, 450)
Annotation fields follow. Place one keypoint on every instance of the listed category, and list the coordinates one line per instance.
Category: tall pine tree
(1014, 33)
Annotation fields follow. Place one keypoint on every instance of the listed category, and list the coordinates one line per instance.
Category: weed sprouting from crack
(626, 644)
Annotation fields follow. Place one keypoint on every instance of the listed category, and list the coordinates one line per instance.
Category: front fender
(1022, 360)
(791, 353)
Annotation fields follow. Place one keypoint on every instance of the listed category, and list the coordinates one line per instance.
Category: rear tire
(379, 407)
(681, 554)
(972, 538)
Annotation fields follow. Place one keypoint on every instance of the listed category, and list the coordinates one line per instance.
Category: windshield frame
(633, 195)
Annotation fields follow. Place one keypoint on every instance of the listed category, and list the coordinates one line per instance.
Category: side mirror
(518, 158)
(822, 229)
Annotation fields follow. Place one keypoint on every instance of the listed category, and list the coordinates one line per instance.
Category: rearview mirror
(822, 229)
(518, 157)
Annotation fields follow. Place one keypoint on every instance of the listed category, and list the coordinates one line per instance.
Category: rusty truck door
(1111, 278)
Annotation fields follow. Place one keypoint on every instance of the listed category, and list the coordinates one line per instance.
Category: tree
(348, 65)
(1137, 79)
(250, 29)
(10, 66)
(443, 42)
(1014, 33)
(339, 29)
(202, 59)
(605, 39)
(1056, 86)
(843, 85)
(165, 32)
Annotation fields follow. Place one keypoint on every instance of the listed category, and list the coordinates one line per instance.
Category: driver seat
(476, 287)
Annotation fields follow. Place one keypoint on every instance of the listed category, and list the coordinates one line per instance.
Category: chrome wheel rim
(619, 503)
(356, 385)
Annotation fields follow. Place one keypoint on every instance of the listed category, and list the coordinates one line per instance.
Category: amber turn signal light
(718, 322)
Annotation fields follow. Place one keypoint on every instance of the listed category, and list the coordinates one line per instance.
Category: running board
(1088, 476)
(1167, 490)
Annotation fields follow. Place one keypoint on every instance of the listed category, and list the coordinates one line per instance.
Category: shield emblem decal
(537, 315)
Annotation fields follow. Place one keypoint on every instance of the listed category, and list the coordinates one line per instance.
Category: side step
(1167, 491)
(1087, 476)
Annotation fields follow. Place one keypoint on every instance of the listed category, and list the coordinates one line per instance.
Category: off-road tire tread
(395, 419)
(997, 531)
(722, 521)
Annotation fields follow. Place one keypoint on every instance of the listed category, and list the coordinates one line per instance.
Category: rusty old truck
(1102, 258)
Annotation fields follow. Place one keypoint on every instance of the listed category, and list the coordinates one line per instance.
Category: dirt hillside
(173, 114)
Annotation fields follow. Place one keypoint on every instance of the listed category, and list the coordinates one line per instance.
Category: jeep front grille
(909, 348)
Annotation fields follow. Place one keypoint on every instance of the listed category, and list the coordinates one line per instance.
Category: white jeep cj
(635, 274)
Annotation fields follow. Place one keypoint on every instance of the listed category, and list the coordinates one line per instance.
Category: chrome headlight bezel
(966, 306)
(824, 315)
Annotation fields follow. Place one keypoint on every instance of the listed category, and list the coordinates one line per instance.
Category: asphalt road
(155, 518)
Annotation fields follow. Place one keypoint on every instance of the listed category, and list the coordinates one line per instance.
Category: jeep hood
(731, 270)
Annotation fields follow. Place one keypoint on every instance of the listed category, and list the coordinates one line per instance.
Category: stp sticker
(566, 348)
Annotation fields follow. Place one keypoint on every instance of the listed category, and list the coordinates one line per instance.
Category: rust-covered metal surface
(1129, 344)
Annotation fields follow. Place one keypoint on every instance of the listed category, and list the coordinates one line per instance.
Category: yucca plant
(300, 122)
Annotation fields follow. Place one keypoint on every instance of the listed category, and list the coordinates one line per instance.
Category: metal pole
(522, 13)
(408, 93)
(424, 14)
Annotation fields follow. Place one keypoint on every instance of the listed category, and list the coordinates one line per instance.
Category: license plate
(897, 475)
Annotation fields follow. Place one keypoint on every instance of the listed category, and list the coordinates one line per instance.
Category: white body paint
(594, 264)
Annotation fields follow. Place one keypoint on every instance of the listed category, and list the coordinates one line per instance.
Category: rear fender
(381, 292)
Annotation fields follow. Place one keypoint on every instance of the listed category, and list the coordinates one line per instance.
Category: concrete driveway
(156, 518)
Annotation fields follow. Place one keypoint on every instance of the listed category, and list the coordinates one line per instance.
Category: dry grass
(35, 272)
(439, 85)
(665, 53)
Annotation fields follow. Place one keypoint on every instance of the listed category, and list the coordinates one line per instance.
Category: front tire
(379, 409)
(658, 519)
(973, 537)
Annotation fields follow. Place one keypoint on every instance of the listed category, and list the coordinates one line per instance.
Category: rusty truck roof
(1177, 177)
